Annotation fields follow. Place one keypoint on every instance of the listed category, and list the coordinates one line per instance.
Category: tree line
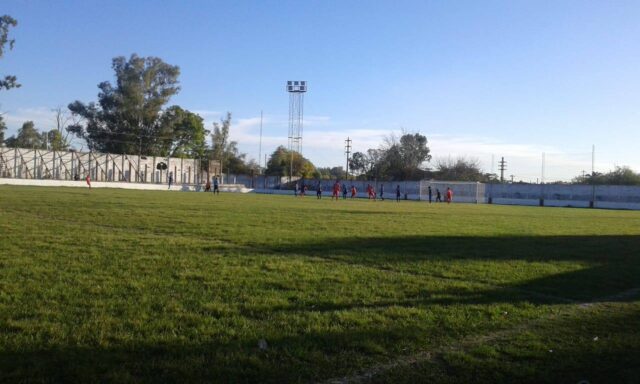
(618, 176)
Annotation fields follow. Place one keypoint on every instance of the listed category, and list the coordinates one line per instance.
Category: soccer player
(449, 195)
(303, 189)
(429, 194)
(398, 193)
(170, 179)
(319, 190)
(438, 196)
(88, 179)
(207, 187)
(344, 191)
(382, 192)
(336, 190)
(216, 191)
(295, 190)
(353, 191)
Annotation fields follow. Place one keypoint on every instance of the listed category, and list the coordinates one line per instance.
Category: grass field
(146, 286)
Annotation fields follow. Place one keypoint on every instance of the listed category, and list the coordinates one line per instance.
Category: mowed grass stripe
(144, 286)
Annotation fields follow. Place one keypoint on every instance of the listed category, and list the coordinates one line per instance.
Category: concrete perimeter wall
(606, 196)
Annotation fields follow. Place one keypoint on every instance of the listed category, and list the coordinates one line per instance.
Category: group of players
(338, 189)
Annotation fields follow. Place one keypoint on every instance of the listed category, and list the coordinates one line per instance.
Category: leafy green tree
(3, 127)
(7, 21)
(128, 116)
(403, 158)
(181, 134)
(279, 164)
(54, 140)
(226, 151)
(330, 173)
(358, 163)
(27, 137)
(619, 176)
(461, 169)
(367, 165)
(220, 145)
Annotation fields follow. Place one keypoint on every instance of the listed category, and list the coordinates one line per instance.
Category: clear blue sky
(511, 78)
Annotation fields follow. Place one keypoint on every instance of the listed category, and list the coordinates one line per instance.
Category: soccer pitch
(145, 286)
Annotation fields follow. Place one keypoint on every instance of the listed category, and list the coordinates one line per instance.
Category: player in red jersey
(449, 195)
(336, 190)
(371, 192)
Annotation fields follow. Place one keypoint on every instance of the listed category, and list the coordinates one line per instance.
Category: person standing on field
(216, 190)
(88, 179)
(170, 179)
(336, 190)
(398, 193)
(344, 191)
(382, 192)
(353, 191)
(295, 190)
(319, 190)
(449, 195)
(429, 189)
(438, 196)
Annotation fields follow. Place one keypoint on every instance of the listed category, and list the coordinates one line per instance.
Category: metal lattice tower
(296, 90)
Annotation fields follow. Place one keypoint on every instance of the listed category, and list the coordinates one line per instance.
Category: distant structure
(347, 151)
(502, 168)
(296, 90)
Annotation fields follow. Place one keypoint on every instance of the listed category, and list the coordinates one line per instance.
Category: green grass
(146, 286)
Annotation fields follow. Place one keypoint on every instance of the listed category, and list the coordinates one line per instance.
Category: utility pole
(260, 148)
(502, 168)
(543, 166)
(593, 180)
(512, 179)
(348, 152)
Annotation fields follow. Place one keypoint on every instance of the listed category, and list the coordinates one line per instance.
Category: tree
(619, 176)
(358, 163)
(181, 134)
(368, 165)
(398, 158)
(225, 151)
(462, 169)
(279, 164)
(28, 137)
(220, 147)
(7, 21)
(58, 138)
(3, 127)
(128, 116)
(403, 158)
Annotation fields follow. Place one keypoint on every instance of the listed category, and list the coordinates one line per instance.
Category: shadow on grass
(612, 263)
(586, 347)
(522, 356)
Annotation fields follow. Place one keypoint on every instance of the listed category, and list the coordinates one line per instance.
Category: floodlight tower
(296, 90)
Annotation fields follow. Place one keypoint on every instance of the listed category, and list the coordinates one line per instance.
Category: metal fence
(42, 164)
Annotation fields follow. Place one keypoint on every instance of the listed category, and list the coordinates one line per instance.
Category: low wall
(606, 196)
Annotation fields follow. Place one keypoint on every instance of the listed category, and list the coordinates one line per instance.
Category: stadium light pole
(296, 90)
